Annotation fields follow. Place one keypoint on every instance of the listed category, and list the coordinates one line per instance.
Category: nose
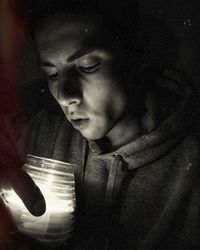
(69, 90)
(69, 97)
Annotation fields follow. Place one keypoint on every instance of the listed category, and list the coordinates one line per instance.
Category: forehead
(69, 29)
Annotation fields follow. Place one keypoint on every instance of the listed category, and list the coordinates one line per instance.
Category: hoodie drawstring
(110, 193)
(110, 184)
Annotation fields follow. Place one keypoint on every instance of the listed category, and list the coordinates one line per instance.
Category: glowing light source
(57, 183)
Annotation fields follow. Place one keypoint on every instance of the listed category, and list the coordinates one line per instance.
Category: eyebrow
(78, 54)
(46, 64)
(71, 58)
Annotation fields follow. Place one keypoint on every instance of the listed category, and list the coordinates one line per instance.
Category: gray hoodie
(144, 195)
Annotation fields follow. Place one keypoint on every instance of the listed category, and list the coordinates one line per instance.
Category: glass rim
(45, 159)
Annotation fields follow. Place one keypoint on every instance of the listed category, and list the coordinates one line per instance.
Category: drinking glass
(57, 183)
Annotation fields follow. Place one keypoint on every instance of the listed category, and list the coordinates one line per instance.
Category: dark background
(183, 19)
(175, 37)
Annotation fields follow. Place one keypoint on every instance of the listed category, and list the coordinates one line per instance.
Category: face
(83, 74)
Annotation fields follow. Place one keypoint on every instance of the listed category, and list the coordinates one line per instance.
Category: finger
(28, 191)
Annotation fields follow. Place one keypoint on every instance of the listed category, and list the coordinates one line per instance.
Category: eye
(89, 68)
(88, 63)
(53, 77)
(50, 72)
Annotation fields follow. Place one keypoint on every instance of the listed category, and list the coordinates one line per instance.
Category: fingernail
(39, 208)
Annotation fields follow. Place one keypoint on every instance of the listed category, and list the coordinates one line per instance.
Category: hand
(25, 187)
(12, 157)
(12, 139)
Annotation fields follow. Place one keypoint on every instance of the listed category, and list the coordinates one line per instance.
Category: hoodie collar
(150, 146)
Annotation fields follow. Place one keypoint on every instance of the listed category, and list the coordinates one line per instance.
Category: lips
(79, 123)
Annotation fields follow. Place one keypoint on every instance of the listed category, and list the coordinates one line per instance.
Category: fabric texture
(144, 195)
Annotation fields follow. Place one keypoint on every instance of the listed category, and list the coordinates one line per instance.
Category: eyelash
(53, 77)
(89, 69)
(86, 69)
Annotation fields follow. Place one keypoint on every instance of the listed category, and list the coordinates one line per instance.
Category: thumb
(27, 190)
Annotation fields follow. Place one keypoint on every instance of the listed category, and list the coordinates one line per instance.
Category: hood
(152, 145)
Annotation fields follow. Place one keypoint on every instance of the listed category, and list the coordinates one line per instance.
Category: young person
(130, 132)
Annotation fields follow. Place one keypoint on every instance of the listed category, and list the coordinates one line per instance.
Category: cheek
(108, 101)
(105, 106)
(118, 104)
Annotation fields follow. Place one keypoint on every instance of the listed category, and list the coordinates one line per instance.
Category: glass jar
(57, 183)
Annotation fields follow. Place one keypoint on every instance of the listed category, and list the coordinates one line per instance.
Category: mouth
(80, 123)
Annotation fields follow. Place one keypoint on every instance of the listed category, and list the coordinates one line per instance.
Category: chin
(89, 135)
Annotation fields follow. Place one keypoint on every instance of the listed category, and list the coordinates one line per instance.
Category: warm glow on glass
(56, 181)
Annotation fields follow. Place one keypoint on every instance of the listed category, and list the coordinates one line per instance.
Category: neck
(126, 130)
(131, 126)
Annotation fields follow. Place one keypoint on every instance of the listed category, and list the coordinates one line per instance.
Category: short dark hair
(120, 16)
